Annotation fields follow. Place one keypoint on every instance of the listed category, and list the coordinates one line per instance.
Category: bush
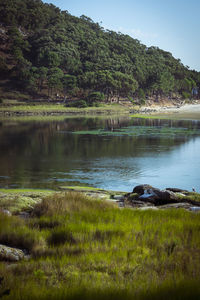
(186, 95)
(141, 94)
(131, 100)
(79, 104)
(95, 97)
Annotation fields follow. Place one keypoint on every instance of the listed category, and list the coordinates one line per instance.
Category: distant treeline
(45, 49)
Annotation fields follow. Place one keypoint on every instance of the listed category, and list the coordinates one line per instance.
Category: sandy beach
(186, 111)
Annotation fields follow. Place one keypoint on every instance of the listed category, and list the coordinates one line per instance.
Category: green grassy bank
(51, 109)
(89, 249)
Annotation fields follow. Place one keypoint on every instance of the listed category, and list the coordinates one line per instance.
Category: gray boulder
(176, 190)
(195, 209)
(140, 189)
(147, 193)
(10, 254)
(165, 197)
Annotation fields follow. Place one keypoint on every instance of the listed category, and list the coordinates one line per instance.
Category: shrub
(95, 97)
(79, 104)
(186, 95)
(141, 94)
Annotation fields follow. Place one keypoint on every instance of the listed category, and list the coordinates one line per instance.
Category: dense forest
(46, 52)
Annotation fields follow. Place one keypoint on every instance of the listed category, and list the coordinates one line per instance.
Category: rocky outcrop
(140, 189)
(11, 254)
(147, 196)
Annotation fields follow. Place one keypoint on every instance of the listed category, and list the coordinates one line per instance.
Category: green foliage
(91, 59)
(95, 97)
(77, 103)
(186, 95)
(3, 68)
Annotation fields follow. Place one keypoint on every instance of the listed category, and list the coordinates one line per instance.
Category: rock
(147, 193)
(11, 254)
(140, 189)
(118, 197)
(176, 190)
(137, 203)
(165, 197)
(148, 207)
(176, 205)
(195, 208)
(6, 212)
(149, 196)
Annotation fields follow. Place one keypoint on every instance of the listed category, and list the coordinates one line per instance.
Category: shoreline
(144, 197)
(188, 111)
(169, 110)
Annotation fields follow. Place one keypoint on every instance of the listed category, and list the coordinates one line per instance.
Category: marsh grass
(14, 233)
(61, 108)
(92, 250)
(67, 203)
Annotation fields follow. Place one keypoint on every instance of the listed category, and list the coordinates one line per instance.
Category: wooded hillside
(46, 51)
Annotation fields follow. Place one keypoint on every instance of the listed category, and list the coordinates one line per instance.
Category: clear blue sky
(172, 25)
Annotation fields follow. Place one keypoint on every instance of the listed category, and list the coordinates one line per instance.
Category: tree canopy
(76, 56)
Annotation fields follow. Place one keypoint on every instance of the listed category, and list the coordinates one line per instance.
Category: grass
(89, 249)
(60, 108)
(147, 116)
(82, 188)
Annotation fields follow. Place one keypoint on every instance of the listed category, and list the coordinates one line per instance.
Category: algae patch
(159, 131)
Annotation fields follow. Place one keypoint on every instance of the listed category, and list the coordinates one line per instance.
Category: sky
(172, 25)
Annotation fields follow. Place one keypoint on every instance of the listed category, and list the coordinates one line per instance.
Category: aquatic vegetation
(150, 131)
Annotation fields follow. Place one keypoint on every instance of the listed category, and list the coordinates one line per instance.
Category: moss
(190, 196)
(16, 200)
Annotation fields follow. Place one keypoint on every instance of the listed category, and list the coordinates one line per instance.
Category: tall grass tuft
(68, 202)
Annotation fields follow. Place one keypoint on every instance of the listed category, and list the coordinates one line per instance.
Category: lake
(114, 153)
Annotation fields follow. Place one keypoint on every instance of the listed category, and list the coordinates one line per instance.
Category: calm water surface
(112, 153)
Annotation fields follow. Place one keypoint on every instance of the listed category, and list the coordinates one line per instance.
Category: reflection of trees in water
(31, 150)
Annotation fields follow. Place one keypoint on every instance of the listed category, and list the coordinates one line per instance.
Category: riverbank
(45, 110)
(159, 110)
(19, 201)
(189, 111)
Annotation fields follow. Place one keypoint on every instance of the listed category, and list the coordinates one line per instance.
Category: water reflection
(47, 154)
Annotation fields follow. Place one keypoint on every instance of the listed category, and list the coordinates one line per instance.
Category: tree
(69, 83)
(54, 80)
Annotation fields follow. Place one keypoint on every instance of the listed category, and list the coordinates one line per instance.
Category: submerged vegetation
(150, 131)
(46, 52)
(81, 247)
